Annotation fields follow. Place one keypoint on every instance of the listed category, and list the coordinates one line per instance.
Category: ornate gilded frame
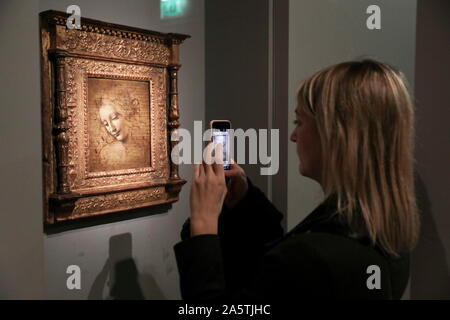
(69, 57)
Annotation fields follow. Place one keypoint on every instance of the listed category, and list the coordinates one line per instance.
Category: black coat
(250, 258)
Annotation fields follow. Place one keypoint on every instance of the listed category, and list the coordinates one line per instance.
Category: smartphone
(220, 133)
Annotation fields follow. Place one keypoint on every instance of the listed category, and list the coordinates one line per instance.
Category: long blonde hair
(365, 118)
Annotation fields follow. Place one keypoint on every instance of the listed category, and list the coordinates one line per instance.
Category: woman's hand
(208, 191)
(237, 185)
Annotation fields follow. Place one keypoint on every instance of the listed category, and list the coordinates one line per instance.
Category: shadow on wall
(119, 278)
(429, 269)
(108, 218)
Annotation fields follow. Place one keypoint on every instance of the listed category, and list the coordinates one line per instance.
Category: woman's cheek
(117, 124)
(304, 147)
(299, 140)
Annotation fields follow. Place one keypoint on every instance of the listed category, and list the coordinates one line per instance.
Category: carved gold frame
(110, 51)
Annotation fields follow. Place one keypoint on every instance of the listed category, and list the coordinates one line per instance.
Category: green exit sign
(173, 8)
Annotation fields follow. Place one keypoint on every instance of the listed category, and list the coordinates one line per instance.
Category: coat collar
(325, 218)
(325, 213)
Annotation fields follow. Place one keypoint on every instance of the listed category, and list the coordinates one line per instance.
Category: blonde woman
(354, 135)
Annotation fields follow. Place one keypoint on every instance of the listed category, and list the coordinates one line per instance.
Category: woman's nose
(293, 136)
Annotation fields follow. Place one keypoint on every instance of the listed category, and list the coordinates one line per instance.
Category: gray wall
(247, 75)
(21, 241)
(34, 264)
(430, 271)
(237, 44)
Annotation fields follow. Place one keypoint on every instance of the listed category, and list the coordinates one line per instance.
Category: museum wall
(430, 263)
(246, 76)
(35, 263)
(21, 237)
(237, 67)
(322, 33)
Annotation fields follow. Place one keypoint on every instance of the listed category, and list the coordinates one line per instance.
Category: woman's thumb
(233, 166)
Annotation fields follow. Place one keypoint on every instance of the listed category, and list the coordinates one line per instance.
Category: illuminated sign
(173, 8)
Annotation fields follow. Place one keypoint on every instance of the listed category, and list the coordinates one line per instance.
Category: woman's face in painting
(114, 122)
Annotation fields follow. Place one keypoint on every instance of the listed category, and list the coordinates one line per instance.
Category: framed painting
(109, 106)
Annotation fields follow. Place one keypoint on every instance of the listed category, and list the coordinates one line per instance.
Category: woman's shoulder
(327, 246)
(344, 262)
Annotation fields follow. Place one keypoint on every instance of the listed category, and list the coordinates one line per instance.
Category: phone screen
(220, 134)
